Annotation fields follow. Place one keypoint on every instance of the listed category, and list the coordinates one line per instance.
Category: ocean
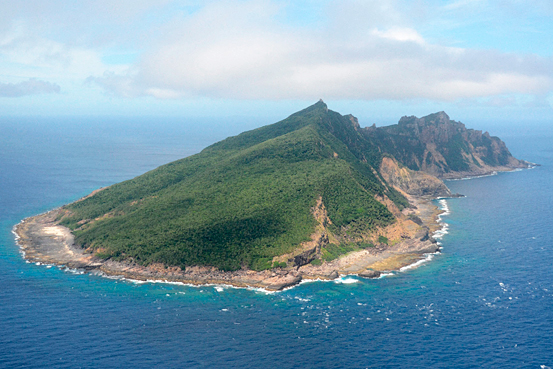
(485, 301)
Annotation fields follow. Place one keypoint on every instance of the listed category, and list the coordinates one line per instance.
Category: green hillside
(241, 201)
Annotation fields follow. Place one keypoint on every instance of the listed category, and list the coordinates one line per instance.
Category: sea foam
(346, 280)
(416, 264)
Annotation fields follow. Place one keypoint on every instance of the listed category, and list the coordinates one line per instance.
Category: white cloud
(238, 50)
(30, 87)
(400, 34)
(26, 53)
(244, 49)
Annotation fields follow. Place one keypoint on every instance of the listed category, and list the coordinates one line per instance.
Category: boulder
(369, 273)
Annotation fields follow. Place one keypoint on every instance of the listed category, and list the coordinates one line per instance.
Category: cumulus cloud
(240, 50)
(30, 87)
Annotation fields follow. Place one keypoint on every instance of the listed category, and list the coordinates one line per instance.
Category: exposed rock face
(412, 182)
(443, 147)
(311, 250)
(309, 255)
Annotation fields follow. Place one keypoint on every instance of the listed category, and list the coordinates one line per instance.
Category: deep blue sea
(485, 301)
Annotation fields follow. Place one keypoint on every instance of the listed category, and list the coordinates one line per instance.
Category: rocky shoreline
(42, 240)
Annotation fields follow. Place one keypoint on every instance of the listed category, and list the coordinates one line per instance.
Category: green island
(314, 195)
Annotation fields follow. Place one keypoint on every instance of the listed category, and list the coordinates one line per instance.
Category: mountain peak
(321, 104)
(439, 117)
(318, 107)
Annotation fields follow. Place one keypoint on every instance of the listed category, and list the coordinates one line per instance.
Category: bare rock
(281, 282)
(412, 182)
(429, 248)
(369, 273)
(423, 235)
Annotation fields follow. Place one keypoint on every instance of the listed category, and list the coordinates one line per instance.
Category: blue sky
(379, 60)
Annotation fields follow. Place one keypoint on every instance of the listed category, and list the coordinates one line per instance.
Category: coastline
(490, 171)
(43, 241)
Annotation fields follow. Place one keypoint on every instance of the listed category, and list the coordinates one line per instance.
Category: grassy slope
(241, 201)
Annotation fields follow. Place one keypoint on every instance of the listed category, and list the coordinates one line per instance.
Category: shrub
(276, 264)
(316, 262)
(364, 245)
(261, 264)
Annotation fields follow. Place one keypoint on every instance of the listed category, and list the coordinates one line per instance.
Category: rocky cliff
(443, 147)
(415, 183)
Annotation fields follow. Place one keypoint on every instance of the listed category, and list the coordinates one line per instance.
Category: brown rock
(333, 275)
(279, 283)
(369, 273)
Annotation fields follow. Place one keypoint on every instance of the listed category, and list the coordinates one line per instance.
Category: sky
(378, 60)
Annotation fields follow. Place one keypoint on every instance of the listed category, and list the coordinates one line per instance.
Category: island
(314, 196)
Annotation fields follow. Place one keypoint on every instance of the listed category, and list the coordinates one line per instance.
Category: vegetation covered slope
(241, 201)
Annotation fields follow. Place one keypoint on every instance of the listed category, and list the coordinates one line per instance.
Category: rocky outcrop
(412, 182)
(307, 256)
(311, 250)
(443, 147)
(369, 273)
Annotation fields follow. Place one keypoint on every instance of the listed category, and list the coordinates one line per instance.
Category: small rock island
(313, 196)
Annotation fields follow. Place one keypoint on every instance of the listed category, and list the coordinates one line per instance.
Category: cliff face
(412, 182)
(443, 147)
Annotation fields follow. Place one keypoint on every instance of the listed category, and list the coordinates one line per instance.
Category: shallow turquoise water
(484, 301)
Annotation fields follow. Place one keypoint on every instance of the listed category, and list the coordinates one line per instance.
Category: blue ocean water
(485, 301)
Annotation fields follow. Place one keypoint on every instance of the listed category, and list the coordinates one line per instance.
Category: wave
(219, 287)
(346, 280)
(17, 238)
(418, 263)
(15, 233)
(440, 233)
(384, 275)
(63, 268)
(443, 206)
